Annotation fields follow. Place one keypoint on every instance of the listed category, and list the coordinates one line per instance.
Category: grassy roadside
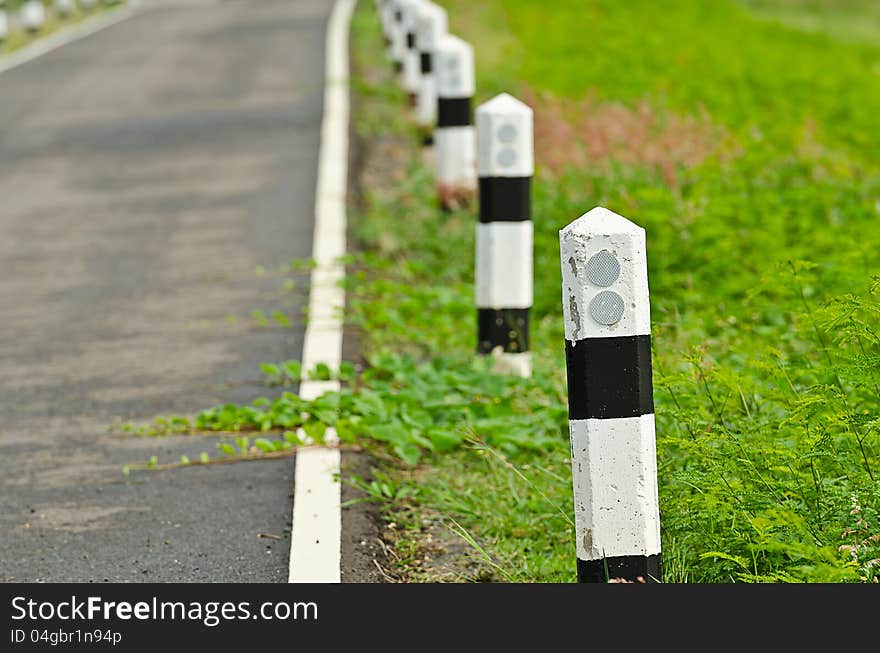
(18, 38)
(746, 150)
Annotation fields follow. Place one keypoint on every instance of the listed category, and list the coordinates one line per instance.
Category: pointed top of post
(504, 104)
(505, 145)
(454, 67)
(604, 277)
(600, 222)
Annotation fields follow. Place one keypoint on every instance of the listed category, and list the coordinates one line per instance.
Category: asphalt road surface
(145, 173)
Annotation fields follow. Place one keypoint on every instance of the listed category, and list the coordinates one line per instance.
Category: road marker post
(411, 75)
(65, 8)
(432, 24)
(504, 267)
(610, 398)
(396, 37)
(383, 9)
(33, 15)
(455, 138)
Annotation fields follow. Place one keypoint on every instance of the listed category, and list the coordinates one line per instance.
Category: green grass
(763, 256)
(846, 20)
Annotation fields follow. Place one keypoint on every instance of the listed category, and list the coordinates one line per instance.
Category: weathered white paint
(65, 7)
(454, 64)
(504, 264)
(432, 25)
(316, 537)
(456, 157)
(33, 15)
(595, 231)
(505, 146)
(614, 469)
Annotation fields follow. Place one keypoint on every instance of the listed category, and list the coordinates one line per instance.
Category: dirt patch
(589, 133)
(432, 552)
(363, 551)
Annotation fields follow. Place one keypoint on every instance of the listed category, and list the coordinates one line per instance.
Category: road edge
(67, 35)
(316, 531)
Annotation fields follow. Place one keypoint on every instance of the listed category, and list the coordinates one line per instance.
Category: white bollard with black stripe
(454, 138)
(411, 74)
(432, 24)
(33, 15)
(610, 398)
(505, 165)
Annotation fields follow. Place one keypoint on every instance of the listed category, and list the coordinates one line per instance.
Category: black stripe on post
(609, 377)
(454, 112)
(410, 40)
(505, 199)
(398, 16)
(427, 63)
(507, 328)
(626, 567)
(398, 66)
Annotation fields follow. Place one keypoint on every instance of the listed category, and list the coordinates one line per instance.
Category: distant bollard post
(505, 165)
(88, 4)
(33, 15)
(411, 75)
(395, 34)
(432, 24)
(454, 138)
(65, 8)
(610, 398)
(383, 9)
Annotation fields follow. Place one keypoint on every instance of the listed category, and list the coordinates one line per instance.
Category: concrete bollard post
(385, 11)
(432, 24)
(455, 139)
(65, 8)
(411, 75)
(395, 34)
(610, 398)
(33, 15)
(505, 165)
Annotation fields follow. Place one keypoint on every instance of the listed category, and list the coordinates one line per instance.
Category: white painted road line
(67, 35)
(316, 536)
